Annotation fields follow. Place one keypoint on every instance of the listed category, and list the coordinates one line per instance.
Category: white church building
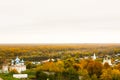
(94, 56)
(107, 59)
(16, 64)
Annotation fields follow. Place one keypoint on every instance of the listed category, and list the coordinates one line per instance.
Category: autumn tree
(106, 74)
(118, 67)
(115, 74)
(106, 66)
(83, 75)
(94, 68)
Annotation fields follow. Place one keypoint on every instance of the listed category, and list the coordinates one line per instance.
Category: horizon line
(50, 43)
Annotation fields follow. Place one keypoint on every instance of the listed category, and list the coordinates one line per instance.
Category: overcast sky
(59, 21)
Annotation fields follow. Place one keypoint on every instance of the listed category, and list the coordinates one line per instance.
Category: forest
(69, 66)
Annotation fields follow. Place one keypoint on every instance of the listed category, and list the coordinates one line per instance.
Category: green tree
(70, 74)
(29, 65)
(58, 76)
(41, 75)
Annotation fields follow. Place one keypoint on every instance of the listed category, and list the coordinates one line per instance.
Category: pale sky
(59, 21)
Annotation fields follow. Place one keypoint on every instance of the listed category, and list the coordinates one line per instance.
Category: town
(65, 64)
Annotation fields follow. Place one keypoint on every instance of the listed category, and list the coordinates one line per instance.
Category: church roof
(17, 59)
(12, 60)
(22, 61)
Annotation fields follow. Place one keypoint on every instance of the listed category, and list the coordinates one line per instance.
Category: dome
(17, 59)
(22, 61)
(12, 61)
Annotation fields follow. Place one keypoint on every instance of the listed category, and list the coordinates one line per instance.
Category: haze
(59, 21)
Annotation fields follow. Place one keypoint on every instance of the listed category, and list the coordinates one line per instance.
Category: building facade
(18, 65)
(107, 59)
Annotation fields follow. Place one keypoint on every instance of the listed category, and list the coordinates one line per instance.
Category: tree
(94, 68)
(60, 66)
(106, 74)
(41, 75)
(58, 76)
(115, 74)
(29, 65)
(51, 67)
(94, 77)
(106, 66)
(14, 71)
(70, 74)
(83, 74)
(69, 62)
(118, 67)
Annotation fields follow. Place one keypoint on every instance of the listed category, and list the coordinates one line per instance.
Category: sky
(59, 21)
